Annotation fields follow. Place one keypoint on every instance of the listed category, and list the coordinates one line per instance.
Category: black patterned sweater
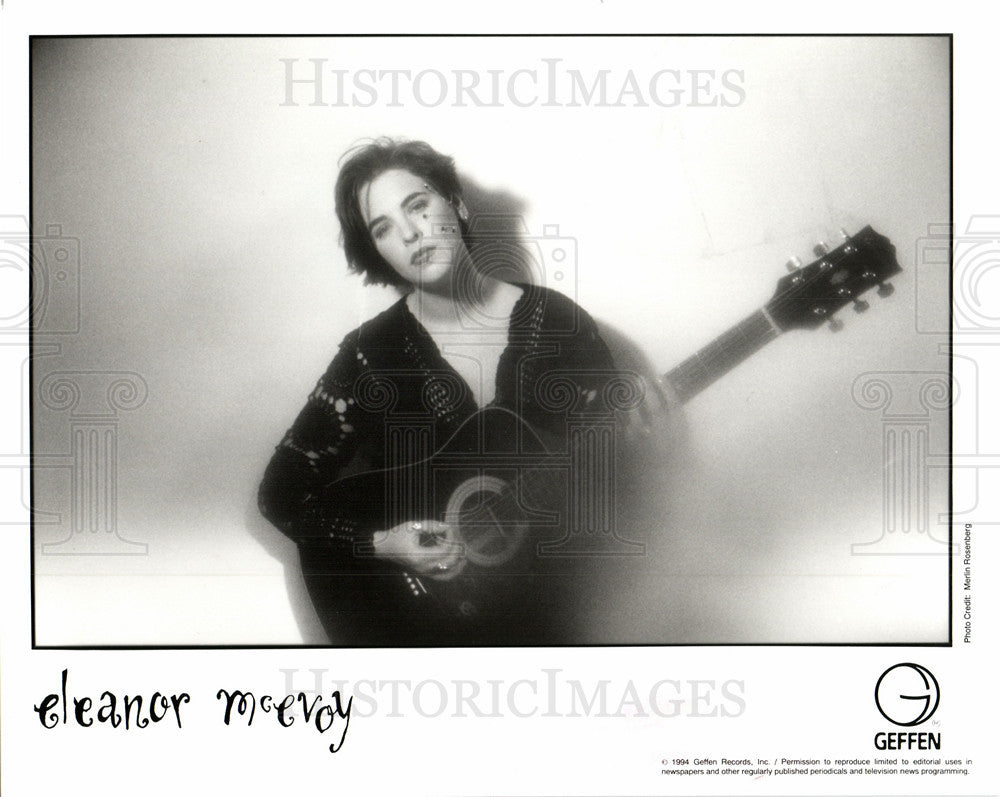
(391, 370)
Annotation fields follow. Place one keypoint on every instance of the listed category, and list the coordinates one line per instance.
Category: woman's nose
(410, 231)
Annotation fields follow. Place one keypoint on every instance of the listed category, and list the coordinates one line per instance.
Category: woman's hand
(655, 430)
(427, 547)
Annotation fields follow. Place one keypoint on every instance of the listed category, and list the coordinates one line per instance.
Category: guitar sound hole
(487, 521)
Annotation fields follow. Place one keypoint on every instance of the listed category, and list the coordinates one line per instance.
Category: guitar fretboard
(721, 355)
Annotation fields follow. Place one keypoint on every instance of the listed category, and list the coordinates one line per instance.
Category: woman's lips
(422, 255)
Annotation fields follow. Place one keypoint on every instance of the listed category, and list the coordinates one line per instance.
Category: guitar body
(505, 494)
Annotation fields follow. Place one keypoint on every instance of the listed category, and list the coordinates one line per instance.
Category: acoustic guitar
(528, 516)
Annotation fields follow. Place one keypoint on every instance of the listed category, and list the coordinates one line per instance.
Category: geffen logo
(907, 694)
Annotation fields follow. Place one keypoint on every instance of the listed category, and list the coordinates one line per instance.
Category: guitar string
(702, 368)
(732, 347)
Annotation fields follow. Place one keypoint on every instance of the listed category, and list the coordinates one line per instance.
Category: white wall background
(210, 266)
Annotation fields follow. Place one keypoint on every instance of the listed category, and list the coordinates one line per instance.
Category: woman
(379, 554)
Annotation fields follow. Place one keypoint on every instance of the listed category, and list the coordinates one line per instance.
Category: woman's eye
(379, 232)
(418, 205)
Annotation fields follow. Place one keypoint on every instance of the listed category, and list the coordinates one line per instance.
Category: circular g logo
(907, 694)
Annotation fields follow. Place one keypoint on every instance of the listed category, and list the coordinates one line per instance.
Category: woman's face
(413, 227)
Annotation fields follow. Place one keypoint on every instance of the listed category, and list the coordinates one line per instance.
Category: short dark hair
(362, 164)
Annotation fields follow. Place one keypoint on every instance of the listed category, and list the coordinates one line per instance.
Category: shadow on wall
(502, 247)
(286, 552)
(499, 240)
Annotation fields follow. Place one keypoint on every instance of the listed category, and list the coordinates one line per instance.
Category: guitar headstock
(810, 295)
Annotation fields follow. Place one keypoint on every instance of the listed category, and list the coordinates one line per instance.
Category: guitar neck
(723, 354)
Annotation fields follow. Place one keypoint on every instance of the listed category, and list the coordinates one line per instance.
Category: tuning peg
(793, 264)
(860, 305)
(885, 289)
(835, 325)
(821, 249)
(849, 248)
